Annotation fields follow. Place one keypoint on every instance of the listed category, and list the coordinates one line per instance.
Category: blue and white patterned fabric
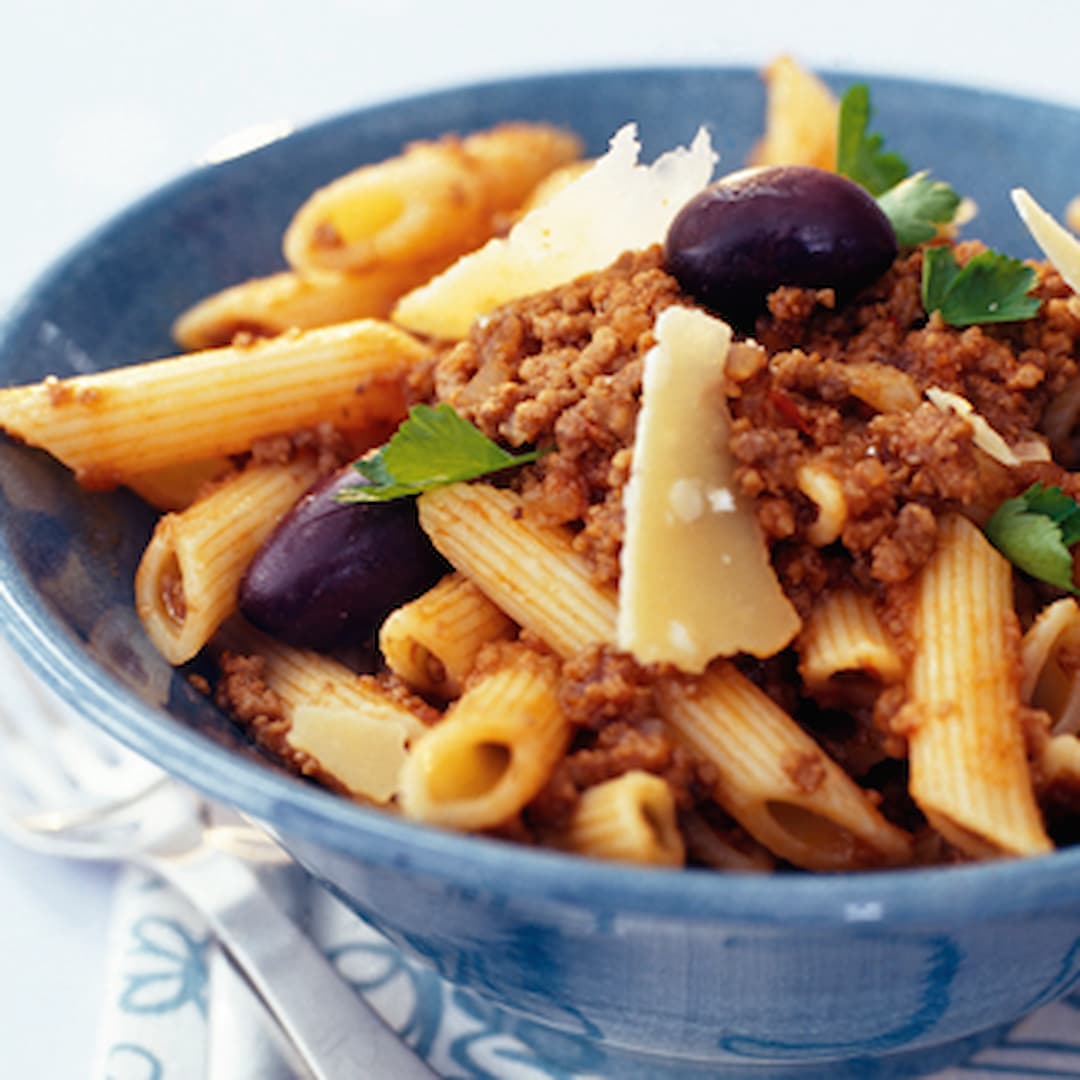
(155, 1020)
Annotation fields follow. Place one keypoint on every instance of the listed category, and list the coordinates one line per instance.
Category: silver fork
(67, 789)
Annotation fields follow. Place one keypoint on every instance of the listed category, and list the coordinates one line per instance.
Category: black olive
(755, 230)
(330, 571)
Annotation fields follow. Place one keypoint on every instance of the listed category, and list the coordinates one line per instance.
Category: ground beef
(617, 748)
(902, 467)
(601, 685)
(564, 367)
(806, 770)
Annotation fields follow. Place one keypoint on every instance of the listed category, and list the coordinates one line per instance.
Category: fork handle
(335, 1032)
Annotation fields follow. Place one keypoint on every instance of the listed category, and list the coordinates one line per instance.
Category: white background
(101, 100)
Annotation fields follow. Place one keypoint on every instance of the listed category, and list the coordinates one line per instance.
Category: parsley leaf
(992, 287)
(1062, 509)
(939, 272)
(1034, 532)
(430, 449)
(916, 206)
(859, 155)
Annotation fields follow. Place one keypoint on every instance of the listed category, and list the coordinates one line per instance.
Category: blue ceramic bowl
(611, 970)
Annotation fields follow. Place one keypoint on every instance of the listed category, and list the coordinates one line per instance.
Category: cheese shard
(617, 205)
(1057, 243)
(365, 753)
(695, 578)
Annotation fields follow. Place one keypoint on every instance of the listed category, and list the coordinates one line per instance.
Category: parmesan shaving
(696, 581)
(986, 438)
(364, 753)
(617, 205)
(1057, 243)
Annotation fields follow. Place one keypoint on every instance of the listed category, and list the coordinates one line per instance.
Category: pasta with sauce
(720, 595)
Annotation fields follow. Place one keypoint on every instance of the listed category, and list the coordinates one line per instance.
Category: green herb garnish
(1035, 530)
(430, 449)
(991, 288)
(859, 155)
(916, 206)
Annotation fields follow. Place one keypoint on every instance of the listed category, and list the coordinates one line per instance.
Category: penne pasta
(266, 307)
(631, 818)
(530, 571)
(187, 579)
(437, 200)
(114, 425)
(1050, 655)
(800, 118)
(969, 771)
(432, 642)
(176, 487)
(843, 638)
(774, 779)
(493, 750)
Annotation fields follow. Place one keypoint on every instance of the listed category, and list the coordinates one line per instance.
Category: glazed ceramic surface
(611, 970)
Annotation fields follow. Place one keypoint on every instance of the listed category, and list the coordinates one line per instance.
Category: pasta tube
(631, 818)
(116, 424)
(265, 307)
(969, 771)
(800, 118)
(432, 642)
(530, 571)
(1050, 654)
(844, 637)
(176, 487)
(492, 752)
(774, 779)
(436, 200)
(186, 581)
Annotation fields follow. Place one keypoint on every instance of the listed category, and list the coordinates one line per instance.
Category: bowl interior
(67, 557)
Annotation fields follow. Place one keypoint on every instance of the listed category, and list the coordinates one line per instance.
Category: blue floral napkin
(155, 1020)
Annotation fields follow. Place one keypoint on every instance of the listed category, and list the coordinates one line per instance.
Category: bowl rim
(907, 897)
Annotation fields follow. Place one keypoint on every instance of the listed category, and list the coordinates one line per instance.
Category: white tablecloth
(103, 99)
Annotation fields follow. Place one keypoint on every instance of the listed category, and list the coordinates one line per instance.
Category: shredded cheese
(695, 579)
(617, 205)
